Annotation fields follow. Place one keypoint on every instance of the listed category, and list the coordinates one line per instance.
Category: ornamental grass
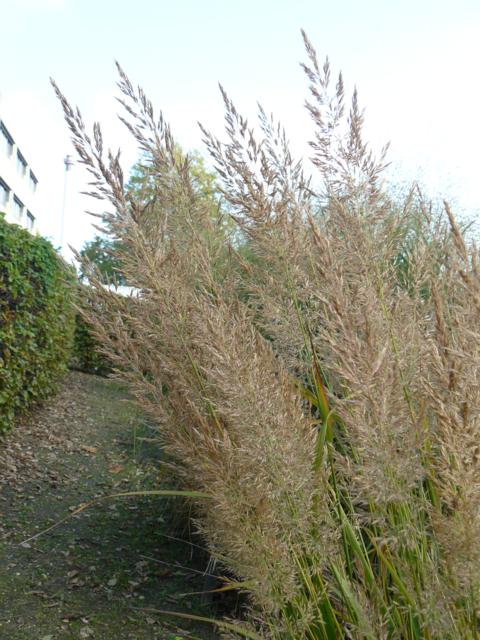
(312, 367)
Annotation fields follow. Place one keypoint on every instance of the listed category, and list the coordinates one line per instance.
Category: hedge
(85, 353)
(36, 319)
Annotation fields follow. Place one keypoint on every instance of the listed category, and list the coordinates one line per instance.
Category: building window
(30, 220)
(33, 182)
(21, 164)
(17, 207)
(4, 193)
(6, 140)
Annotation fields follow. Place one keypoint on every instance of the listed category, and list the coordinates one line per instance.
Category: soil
(101, 573)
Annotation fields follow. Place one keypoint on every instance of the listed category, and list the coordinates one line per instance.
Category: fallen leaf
(116, 468)
(71, 617)
(164, 574)
(88, 449)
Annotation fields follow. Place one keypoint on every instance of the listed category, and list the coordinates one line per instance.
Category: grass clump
(313, 369)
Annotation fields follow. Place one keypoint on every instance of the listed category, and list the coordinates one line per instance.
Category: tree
(103, 252)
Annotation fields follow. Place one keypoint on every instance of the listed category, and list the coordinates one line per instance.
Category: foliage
(86, 356)
(36, 320)
(105, 252)
(204, 181)
(101, 252)
(340, 456)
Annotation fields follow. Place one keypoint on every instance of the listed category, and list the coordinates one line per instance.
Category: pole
(68, 163)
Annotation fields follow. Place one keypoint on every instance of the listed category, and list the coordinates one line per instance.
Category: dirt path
(95, 575)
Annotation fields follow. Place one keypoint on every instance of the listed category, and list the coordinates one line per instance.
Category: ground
(99, 574)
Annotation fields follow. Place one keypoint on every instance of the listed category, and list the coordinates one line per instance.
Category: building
(18, 183)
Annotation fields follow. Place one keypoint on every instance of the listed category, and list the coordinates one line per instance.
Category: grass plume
(313, 369)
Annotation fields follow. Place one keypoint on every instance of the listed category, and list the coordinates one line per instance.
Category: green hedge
(85, 354)
(36, 319)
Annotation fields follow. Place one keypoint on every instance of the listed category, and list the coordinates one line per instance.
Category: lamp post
(68, 162)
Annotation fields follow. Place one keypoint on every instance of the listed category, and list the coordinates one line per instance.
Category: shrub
(36, 319)
(341, 456)
(86, 356)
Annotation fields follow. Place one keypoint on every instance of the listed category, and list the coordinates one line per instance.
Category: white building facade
(18, 183)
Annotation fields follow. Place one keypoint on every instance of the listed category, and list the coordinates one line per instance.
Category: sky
(415, 64)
